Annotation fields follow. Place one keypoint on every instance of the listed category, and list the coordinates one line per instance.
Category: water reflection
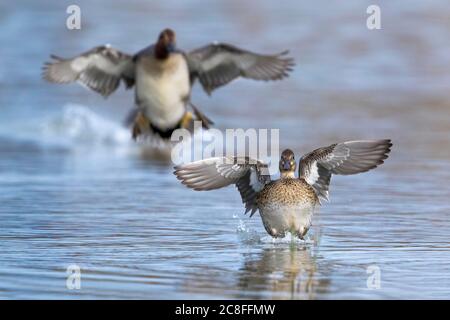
(287, 273)
(283, 270)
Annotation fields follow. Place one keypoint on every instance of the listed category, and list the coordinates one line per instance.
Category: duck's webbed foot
(276, 233)
(206, 122)
(301, 232)
(141, 125)
(186, 121)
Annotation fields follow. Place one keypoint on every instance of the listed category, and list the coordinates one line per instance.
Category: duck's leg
(273, 231)
(141, 125)
(138, 122)
(206, 122)
(186, 121)
(301, 233)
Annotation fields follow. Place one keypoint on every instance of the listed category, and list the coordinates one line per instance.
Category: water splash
(245, 233)
(79, 125)
(288, 239)
(248, 235)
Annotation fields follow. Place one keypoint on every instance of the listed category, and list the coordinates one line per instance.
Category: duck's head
(166, 44)
(287, 164)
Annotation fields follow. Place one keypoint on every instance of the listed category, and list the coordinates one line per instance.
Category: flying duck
(287, 204)
(163, 77)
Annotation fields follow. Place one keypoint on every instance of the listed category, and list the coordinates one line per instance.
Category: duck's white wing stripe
(217, 64)
(215, 173)
(313, 175)
(255, 181)
(345, 158)
(99, 69)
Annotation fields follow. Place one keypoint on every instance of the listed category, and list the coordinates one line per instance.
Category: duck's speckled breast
(287, 192)
(287, 205)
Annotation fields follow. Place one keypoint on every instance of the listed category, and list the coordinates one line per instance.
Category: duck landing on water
(163, 77)
(287, 204)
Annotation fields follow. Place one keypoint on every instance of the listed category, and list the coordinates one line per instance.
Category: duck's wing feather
(217, 64)
(100, 69)
(249, 175)
(344, 158)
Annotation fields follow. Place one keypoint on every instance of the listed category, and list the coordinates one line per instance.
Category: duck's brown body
(287, 205)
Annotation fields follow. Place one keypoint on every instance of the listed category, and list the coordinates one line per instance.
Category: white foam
(288, 239)
(246, 234)
(79, 125)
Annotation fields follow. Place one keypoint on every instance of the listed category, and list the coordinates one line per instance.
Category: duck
(286, 205)
(163, 76)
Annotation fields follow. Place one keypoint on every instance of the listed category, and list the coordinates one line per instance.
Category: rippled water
(75, 190)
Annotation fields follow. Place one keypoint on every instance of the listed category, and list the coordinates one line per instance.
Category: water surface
(75, 190)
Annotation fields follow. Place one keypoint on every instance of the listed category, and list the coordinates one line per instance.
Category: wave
(79, 125)
(70, 127)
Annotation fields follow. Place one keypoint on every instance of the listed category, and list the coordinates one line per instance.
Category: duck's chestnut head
(166, 44)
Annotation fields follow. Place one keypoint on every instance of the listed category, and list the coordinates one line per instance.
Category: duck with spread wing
(287, 204)
(163, 77)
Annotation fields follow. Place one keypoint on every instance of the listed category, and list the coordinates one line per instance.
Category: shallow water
(75, 190)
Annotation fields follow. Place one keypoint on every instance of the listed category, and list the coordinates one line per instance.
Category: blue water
(75, 190)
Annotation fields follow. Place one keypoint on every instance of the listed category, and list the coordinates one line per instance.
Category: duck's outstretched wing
(249, 175)
(100, 69)
(216, 65)
(343, 158)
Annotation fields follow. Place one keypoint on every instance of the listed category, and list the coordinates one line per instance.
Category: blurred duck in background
(163, 77)
(287, 204)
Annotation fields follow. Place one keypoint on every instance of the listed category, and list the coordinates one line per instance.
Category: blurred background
(74, 188)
